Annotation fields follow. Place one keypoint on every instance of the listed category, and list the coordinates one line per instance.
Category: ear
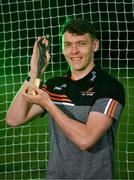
(96, 45)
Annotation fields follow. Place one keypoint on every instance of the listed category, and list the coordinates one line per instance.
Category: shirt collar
(91, 76)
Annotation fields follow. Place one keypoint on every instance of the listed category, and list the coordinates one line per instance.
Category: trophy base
(34, 82)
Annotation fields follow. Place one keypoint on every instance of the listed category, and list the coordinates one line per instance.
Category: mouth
(75, 59)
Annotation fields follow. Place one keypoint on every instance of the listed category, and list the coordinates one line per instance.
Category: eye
(82, 43)
(67, 44)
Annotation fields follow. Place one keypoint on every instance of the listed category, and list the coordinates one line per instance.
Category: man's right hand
(35, 58)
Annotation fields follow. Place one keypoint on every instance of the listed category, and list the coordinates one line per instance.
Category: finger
(37, 90)
(48, 57)
(27, 97)
(38, 38)
(25, 88)
(46, 40)
(36, 49)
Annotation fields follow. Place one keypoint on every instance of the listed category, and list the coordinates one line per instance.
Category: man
(84, 107)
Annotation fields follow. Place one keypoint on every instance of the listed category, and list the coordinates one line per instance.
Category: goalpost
(24, 151)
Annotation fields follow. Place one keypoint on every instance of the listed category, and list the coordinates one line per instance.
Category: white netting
(24, 151)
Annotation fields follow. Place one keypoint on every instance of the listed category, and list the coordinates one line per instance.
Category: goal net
(24, 151)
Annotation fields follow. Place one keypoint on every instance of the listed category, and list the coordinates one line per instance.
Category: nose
(74, 49)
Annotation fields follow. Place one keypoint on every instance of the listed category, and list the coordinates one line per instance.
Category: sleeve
(108, 106)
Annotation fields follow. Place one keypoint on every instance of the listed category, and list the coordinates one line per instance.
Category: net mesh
(24, 151)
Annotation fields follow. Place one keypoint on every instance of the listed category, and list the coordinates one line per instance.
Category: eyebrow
(75, 42)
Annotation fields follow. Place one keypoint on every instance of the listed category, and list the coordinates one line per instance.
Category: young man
(84, 107)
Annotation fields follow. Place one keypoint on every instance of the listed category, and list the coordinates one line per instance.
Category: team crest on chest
(89, 92)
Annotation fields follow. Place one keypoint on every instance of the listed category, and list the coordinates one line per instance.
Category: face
(79, 50)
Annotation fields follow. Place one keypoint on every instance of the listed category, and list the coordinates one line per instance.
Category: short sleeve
(108, 106)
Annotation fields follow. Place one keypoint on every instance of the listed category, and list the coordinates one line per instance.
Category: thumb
(37, 90)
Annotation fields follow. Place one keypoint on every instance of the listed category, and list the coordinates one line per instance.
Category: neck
(80, 74)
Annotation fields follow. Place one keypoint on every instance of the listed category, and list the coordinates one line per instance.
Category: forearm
(19, 108)
(76, 131)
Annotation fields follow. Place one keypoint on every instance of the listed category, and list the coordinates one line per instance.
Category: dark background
(24, 151)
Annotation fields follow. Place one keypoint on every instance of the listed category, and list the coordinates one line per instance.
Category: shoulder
(56, 79)
(110, 80)
(110, 87)
(56, 83)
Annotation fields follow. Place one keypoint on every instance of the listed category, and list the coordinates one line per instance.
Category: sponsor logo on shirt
(59, 88)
